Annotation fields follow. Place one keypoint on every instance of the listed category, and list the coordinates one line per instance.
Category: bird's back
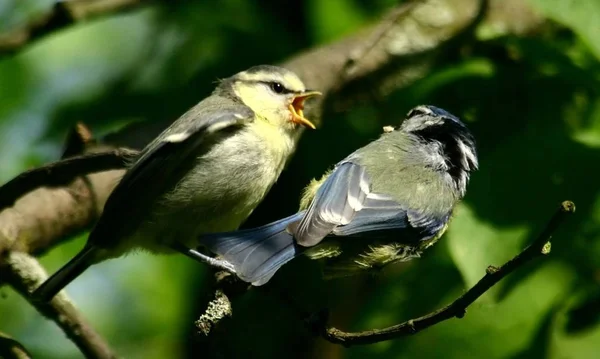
(413, 173)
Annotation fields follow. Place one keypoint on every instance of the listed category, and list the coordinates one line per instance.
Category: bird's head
(457, 144)
(275, 94)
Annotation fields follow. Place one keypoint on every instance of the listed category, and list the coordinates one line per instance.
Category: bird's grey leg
(203, 258)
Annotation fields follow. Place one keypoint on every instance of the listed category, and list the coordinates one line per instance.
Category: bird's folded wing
(336, 203)
(379, 213)
(160, 167)
(382, 217)
(345, 206)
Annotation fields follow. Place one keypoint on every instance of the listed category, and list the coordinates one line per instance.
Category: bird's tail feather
(257, 253)
(65, 275)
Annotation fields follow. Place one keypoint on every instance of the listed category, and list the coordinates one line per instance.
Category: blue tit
(386, 202)
(205, 173)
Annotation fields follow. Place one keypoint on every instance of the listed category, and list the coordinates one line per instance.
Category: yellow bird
(205, 173)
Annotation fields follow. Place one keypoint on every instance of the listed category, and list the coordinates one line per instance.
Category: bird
(386, 202)
(205, 173)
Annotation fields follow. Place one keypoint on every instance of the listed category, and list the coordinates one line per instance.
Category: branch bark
(47, 216)
(63, 172)
(24, 274)
(43, 217)
(61, 15)
(219, 307)
(539, 248)
(391, 54)
(12, 349)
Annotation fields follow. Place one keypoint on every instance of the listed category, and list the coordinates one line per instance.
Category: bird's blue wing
(378, 213)
(159, 167)
(384, 218)
(336, 203)
(426, 224)
(345, 206)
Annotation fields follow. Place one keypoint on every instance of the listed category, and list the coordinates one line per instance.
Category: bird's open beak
(297, 108)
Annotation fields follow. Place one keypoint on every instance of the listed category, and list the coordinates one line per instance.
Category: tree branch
(393, 53)
(539, 248)
(45, 216)
(29, 227)
(219, 307)
(24, 274)
(63, 172)
(12, 349)
(62, 14)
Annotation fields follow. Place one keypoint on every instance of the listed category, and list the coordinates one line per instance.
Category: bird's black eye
(277, 87)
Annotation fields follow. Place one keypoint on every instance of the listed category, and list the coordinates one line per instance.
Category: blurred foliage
(532, 101)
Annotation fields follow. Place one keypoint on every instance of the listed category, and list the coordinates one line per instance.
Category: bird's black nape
(432, 123)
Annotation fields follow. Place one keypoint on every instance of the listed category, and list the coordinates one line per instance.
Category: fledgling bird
(205, 173)
(386, 202)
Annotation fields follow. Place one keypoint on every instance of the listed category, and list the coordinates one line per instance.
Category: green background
(532, 102)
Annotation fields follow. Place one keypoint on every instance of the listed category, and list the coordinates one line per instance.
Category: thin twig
(24, 274)
(63, 172)
(539, 247)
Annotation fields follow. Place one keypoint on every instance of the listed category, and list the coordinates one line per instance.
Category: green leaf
(348, 16)
(579, 344)
(475, 245)
(581, 16)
